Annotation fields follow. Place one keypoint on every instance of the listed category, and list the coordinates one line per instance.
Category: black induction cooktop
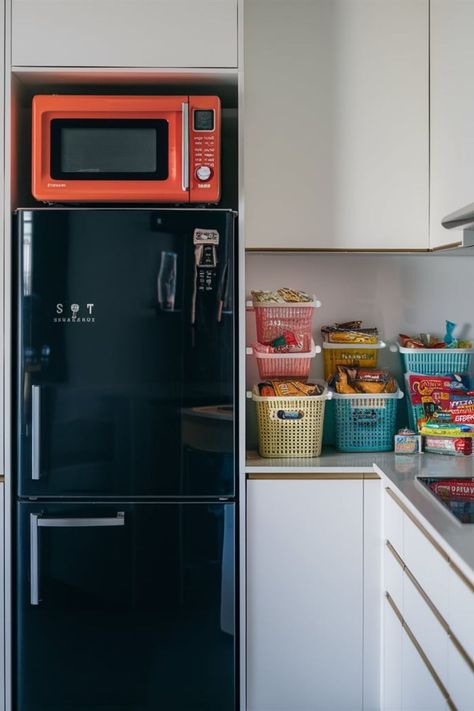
(455, 493)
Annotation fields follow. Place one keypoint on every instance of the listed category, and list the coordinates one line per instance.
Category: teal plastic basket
(432, 361)
(366, 423)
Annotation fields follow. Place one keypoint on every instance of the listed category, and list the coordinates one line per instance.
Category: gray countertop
(398, 472)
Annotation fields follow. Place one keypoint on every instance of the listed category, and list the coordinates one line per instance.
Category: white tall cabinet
(452, 113)
(336, 124)
(306, 593)
(124, 33)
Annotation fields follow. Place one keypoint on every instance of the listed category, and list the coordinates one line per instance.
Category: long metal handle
(37, 521)
(185, 148)
(35, 432)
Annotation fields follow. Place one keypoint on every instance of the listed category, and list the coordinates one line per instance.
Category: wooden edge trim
(286, 476)
(430, 538)
(452, 245)
(346, 250)
(421, 652)
(432, 606)
(2, 479)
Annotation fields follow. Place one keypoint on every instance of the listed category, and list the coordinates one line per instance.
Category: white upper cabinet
(452, 114)
(124, 33)
(336, 124)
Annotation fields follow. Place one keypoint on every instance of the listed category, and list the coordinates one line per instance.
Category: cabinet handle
(185, 147)
(37, 521)
(422, 654)
(35, 432)
(432, 606)
(430, 538)
(321, 476)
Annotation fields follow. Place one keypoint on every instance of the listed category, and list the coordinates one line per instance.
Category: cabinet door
(336, 124)
(2, 601)
(304, 595)
(125, 33)
(419, 689)
(452, 113)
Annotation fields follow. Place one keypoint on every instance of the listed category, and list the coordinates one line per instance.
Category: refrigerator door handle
(35, 432)
(37, 521)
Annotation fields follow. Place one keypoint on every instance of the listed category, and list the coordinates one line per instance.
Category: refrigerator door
(125, 607)
(126, 350)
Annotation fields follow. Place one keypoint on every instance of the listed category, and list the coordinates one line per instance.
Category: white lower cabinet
(2, 601)
(427, 634)
(304, 594)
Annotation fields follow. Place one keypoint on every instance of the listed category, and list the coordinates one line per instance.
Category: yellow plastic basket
(363, 355)
(290, 426)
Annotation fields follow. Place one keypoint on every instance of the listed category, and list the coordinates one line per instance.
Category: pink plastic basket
(287, 365)
(273, 319)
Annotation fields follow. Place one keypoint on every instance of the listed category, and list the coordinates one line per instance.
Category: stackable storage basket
(273, 319)
(290, 426)
(366, 422)
(285, 365)
(434, 361)
(363, 355)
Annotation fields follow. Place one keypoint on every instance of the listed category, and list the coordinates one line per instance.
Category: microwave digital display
(203, 120)
(109, 149)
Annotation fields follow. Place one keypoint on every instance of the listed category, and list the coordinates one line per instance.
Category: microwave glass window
(109, 149)
(203, 120)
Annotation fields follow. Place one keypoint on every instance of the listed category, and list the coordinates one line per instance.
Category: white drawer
(460, 680)
(393, 576)
(428, 630)
(427, 564)
(392, 521)
(392, 659)
(461, 612)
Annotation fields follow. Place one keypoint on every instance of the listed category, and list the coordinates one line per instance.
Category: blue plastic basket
(432, 361)
(366, 423)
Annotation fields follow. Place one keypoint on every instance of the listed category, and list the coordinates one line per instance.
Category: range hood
(463, 218)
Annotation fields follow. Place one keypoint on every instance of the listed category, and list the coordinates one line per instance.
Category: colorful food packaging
(289, 388)
(420, 386)
(454, 488)
(281, 296)
(426, 340)
(457, 446)
(349, 332)
(350, 379)
(407, 442)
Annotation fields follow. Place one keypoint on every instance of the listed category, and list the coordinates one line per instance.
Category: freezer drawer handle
(35, 431)
(37, 521)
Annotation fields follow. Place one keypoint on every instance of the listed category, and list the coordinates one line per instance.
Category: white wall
(396, 293)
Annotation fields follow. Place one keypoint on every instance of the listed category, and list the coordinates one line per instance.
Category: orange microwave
(126, 148)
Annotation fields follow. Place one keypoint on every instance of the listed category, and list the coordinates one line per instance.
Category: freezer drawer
(125, 607)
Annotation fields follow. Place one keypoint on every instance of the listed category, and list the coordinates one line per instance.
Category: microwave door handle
(185, 147)
(35, 432)
(37, 521)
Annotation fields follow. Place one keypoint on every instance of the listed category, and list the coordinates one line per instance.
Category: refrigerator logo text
(74, 313)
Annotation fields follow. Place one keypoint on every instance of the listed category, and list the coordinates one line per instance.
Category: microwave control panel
(204, 132)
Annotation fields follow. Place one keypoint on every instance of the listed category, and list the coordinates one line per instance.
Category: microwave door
(126, 378)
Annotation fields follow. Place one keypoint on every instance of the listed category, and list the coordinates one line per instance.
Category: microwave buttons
(204, 172)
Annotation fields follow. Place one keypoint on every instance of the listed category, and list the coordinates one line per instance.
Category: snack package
(281, 296)
(420, 386)
(289, 388)
(427, 340)
(457, 446)
(458, 488)
(350, 379)
(407, 442)
(349, 332)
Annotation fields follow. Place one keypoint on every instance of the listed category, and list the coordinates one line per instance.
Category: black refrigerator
(125, 426)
